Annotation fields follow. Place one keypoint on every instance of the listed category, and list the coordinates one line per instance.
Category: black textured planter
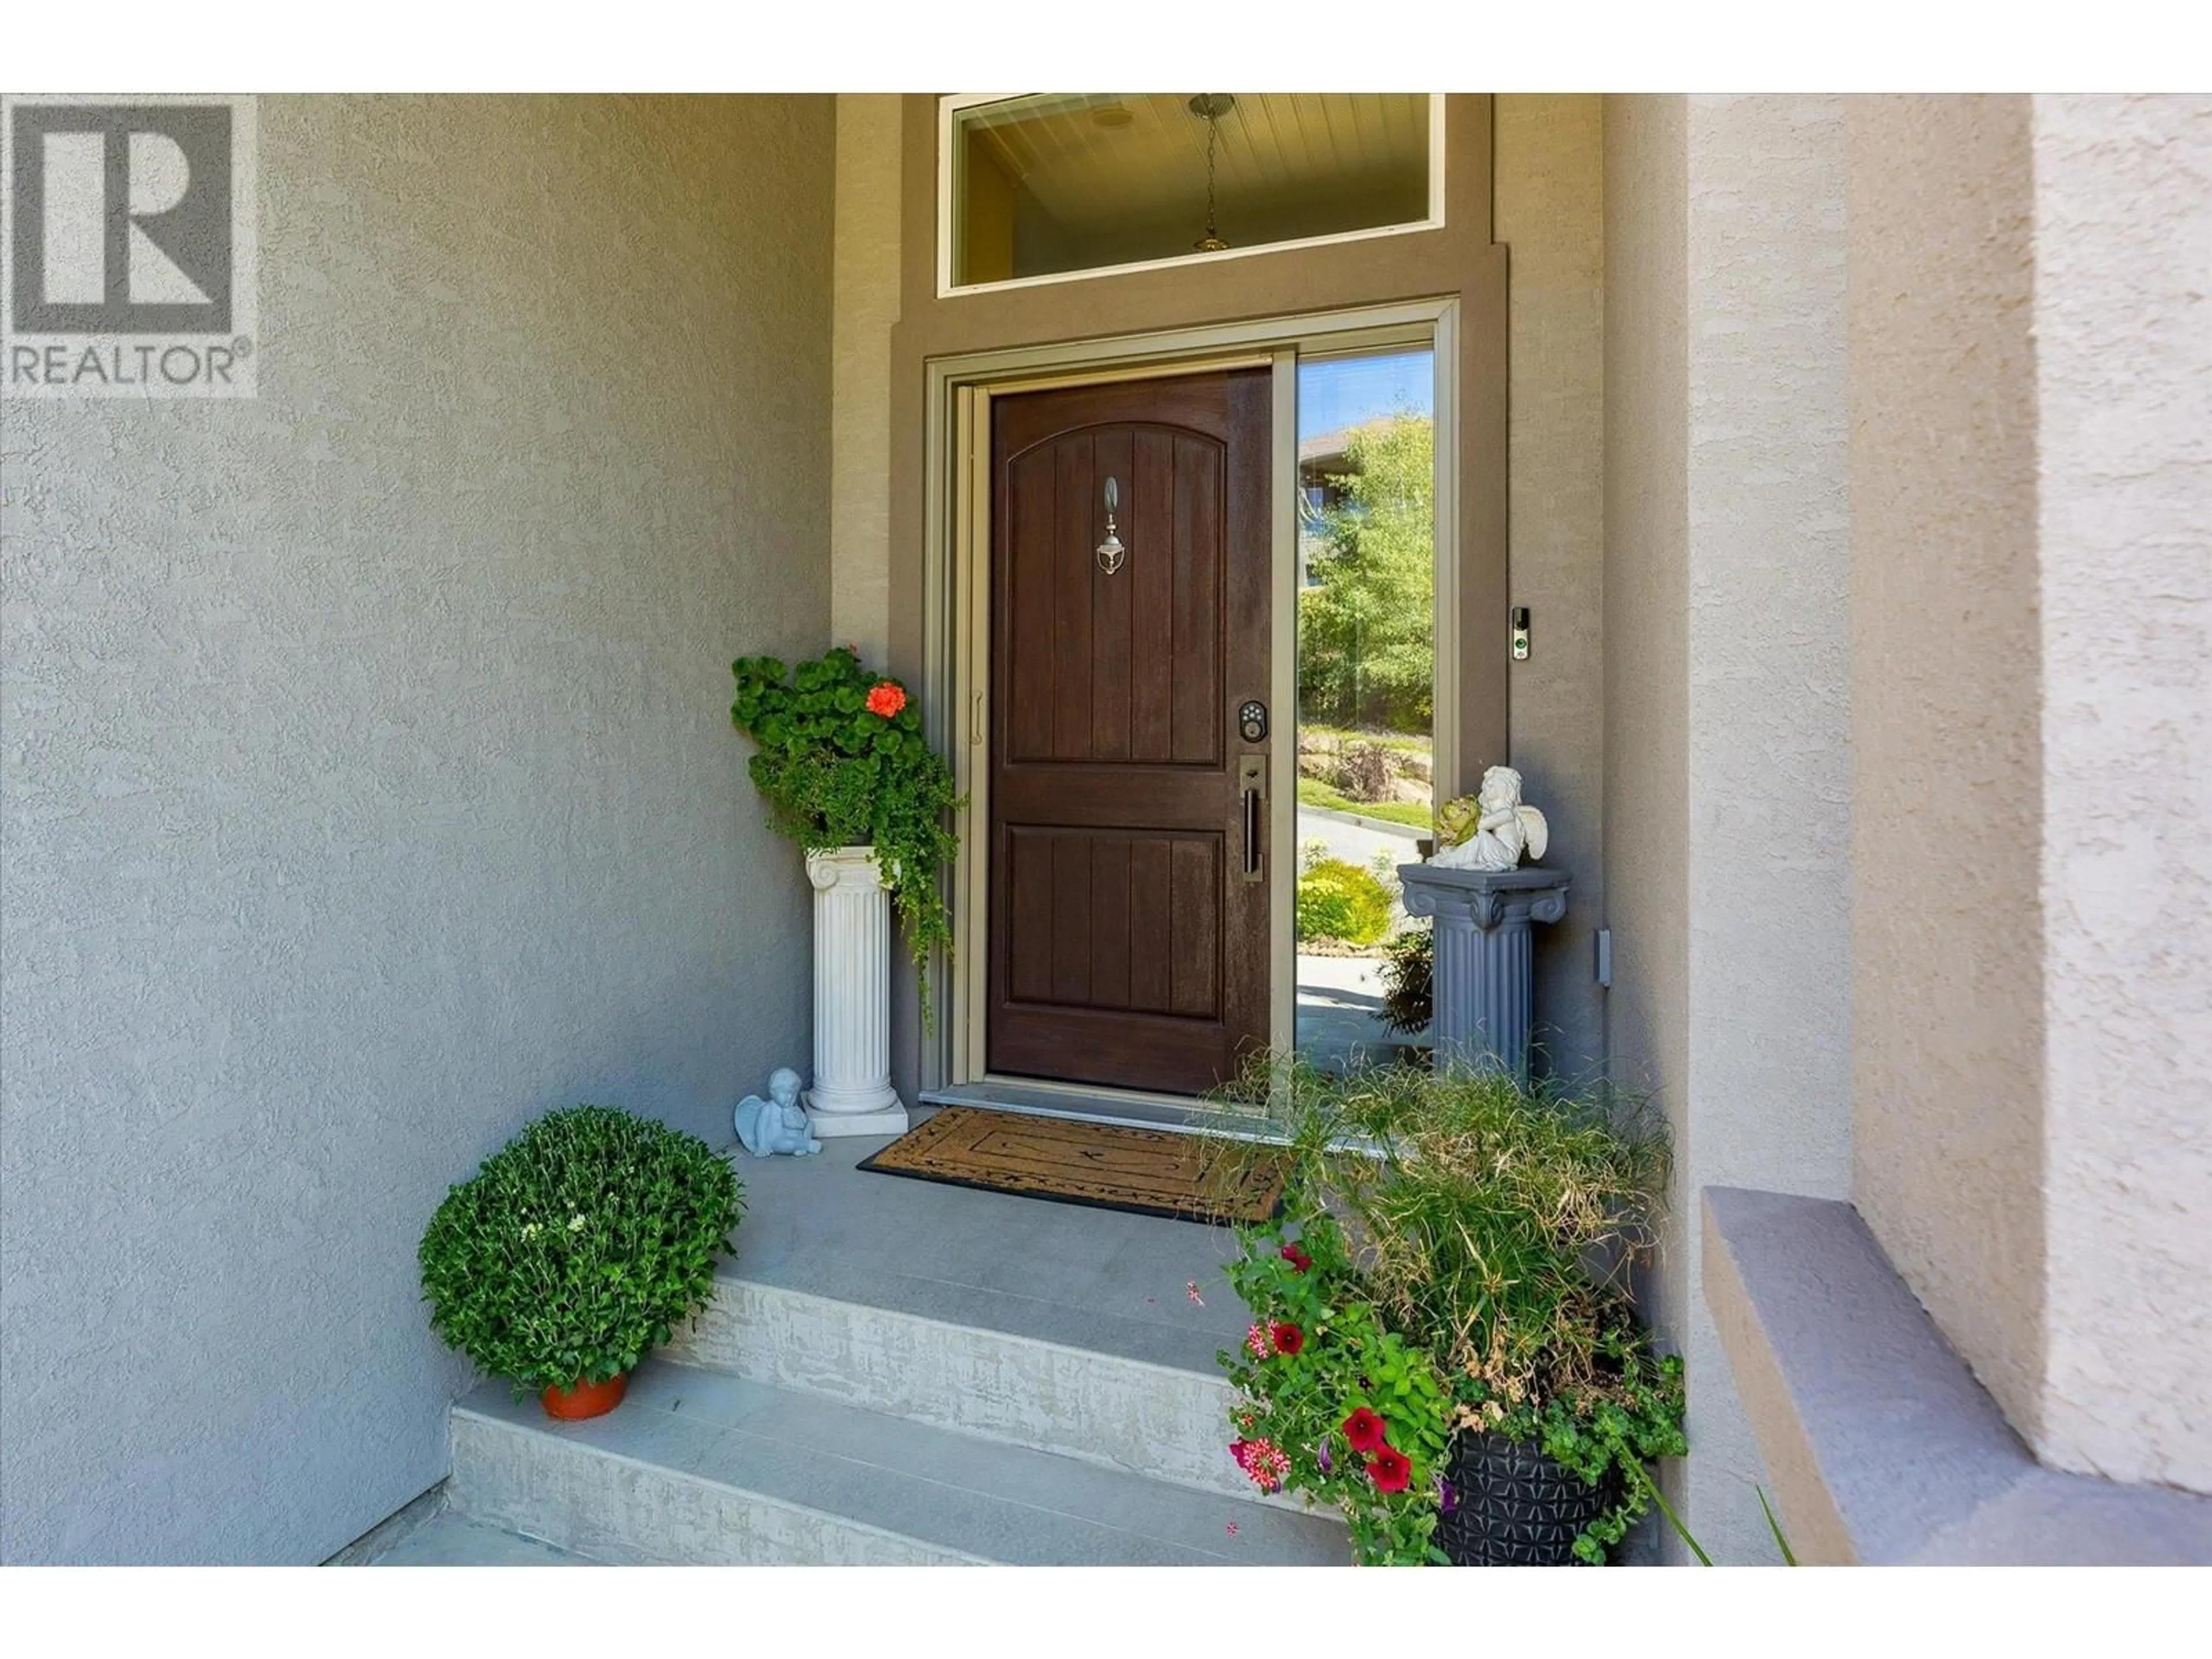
(1512, 1506)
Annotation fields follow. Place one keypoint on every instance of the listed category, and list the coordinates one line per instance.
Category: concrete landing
(1095, 1279)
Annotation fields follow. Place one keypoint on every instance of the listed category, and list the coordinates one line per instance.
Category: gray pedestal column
(1483, 977)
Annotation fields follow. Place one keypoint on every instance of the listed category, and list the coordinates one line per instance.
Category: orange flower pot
(584, 1399)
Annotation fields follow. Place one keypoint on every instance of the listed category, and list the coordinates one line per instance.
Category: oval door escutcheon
(1252, 721)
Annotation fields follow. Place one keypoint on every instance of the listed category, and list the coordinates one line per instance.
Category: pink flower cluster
(1282, 1337)
(1267, 1464)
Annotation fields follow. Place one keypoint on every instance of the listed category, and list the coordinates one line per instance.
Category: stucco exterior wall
(1768, 769)
(1550, 213)
(1726, 672)
(1646, 635)
(1769, 645)
(2122, 202)
(1948, 988)
(866, 306)
(369, 786)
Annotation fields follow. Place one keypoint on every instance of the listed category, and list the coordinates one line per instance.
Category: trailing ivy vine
(841, 761)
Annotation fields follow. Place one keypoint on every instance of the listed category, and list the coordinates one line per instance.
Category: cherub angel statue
(777, 1124)
(1491, 832)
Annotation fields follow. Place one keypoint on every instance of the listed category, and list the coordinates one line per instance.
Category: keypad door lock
(1252, 721)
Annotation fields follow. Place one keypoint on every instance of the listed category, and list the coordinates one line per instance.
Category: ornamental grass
(1471, 1236)
(1494, 1223)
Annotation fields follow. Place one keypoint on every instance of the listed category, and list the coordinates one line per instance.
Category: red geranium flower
(1296, 1257)
(1390, 1470)
(1289, 1339)
(886, 698)
(1364, 1430)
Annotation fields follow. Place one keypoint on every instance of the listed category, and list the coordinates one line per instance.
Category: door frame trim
(956, 621)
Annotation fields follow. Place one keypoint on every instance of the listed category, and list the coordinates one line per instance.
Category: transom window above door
(1047, 186)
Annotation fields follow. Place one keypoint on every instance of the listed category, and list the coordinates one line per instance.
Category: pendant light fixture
(1210, 107)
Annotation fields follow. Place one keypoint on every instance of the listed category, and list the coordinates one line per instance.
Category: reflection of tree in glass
(1366, 628)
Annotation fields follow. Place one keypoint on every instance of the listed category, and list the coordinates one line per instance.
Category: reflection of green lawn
(1312, 791)
(1412, 743)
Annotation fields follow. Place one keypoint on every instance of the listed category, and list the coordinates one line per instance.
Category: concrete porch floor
(1098, 1280)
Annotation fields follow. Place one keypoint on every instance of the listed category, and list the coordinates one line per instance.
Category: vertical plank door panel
(1127, 947)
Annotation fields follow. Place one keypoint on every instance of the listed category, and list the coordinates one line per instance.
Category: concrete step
(703, 1466)
(1081, 1384)
(448, 1539)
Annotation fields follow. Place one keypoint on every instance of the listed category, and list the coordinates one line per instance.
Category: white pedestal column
(852, 1093)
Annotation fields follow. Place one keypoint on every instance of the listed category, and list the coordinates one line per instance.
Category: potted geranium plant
(576, 1249)
(1330, 1403)
(1452, 1251)
(847, 773)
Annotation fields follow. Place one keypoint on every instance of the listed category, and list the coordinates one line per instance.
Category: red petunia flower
(1390, 1470)
(886, 698)
(1296, 1257)
(1289, 1339)
(1364, 1430)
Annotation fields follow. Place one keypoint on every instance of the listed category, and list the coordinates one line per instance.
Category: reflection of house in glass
(1323, 462)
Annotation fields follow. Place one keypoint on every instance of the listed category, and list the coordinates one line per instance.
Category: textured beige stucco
(867, 305)
(1646, 609)
(1769, 771)
(2123, 326)
(1549, 214)
(1726, 662)
(369, 786)
(1946, 831)
(1769, 646)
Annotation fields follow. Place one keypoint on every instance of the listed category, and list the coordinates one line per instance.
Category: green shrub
(1408, 975)
(1337, 900)
(578, 1247)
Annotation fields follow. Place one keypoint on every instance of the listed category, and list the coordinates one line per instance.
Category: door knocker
(1110, 551)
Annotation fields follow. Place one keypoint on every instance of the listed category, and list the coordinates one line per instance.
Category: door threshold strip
(1102, 1106)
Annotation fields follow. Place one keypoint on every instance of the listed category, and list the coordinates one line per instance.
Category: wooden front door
(1128, 897)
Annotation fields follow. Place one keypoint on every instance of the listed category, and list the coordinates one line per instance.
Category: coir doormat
(1106, 1166)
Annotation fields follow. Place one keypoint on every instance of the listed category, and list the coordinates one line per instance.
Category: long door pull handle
(1252, 784)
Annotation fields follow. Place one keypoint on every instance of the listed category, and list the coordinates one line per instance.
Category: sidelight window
(1366, 679)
